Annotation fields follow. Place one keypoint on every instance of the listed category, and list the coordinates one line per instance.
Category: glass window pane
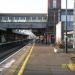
(54, 3)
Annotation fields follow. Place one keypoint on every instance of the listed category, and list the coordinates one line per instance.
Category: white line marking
(1, 69)
(7, 65)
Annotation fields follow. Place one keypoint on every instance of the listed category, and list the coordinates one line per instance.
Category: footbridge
(23, 21)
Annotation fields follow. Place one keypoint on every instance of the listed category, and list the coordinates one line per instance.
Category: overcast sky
(28, 6)
(70, 4)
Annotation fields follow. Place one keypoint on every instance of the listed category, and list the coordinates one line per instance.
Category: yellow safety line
(25, 62)
(69, 66)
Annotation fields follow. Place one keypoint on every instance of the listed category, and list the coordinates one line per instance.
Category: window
(16, 18)
(54, 3)
(44, 18)
(11, 18)
(22, 19)
(39, 18)
(34, 18)
(4, 19)
(28, 18)
(69, 25)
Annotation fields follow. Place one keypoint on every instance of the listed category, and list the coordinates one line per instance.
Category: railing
(23, 21)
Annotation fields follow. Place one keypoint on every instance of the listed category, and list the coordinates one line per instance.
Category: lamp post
(54, 25)
(74, 28)
(66, 50)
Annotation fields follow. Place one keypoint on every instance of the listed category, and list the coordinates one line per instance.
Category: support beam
(74, 28)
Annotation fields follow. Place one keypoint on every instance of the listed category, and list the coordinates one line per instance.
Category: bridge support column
(2, 37)
(9, 35)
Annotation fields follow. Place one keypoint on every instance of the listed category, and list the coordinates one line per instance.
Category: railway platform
(41, 60)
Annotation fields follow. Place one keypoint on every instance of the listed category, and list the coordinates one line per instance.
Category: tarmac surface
(43, 61)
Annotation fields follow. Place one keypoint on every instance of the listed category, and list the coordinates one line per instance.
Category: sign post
(66, 30)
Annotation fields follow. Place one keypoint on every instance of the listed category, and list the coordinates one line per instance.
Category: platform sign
(59, 32)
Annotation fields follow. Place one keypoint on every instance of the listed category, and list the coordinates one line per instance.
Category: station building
(55, 15)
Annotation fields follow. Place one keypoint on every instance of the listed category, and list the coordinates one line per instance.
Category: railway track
(6, 53)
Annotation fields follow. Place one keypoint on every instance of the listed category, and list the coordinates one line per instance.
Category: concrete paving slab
(44, 61)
